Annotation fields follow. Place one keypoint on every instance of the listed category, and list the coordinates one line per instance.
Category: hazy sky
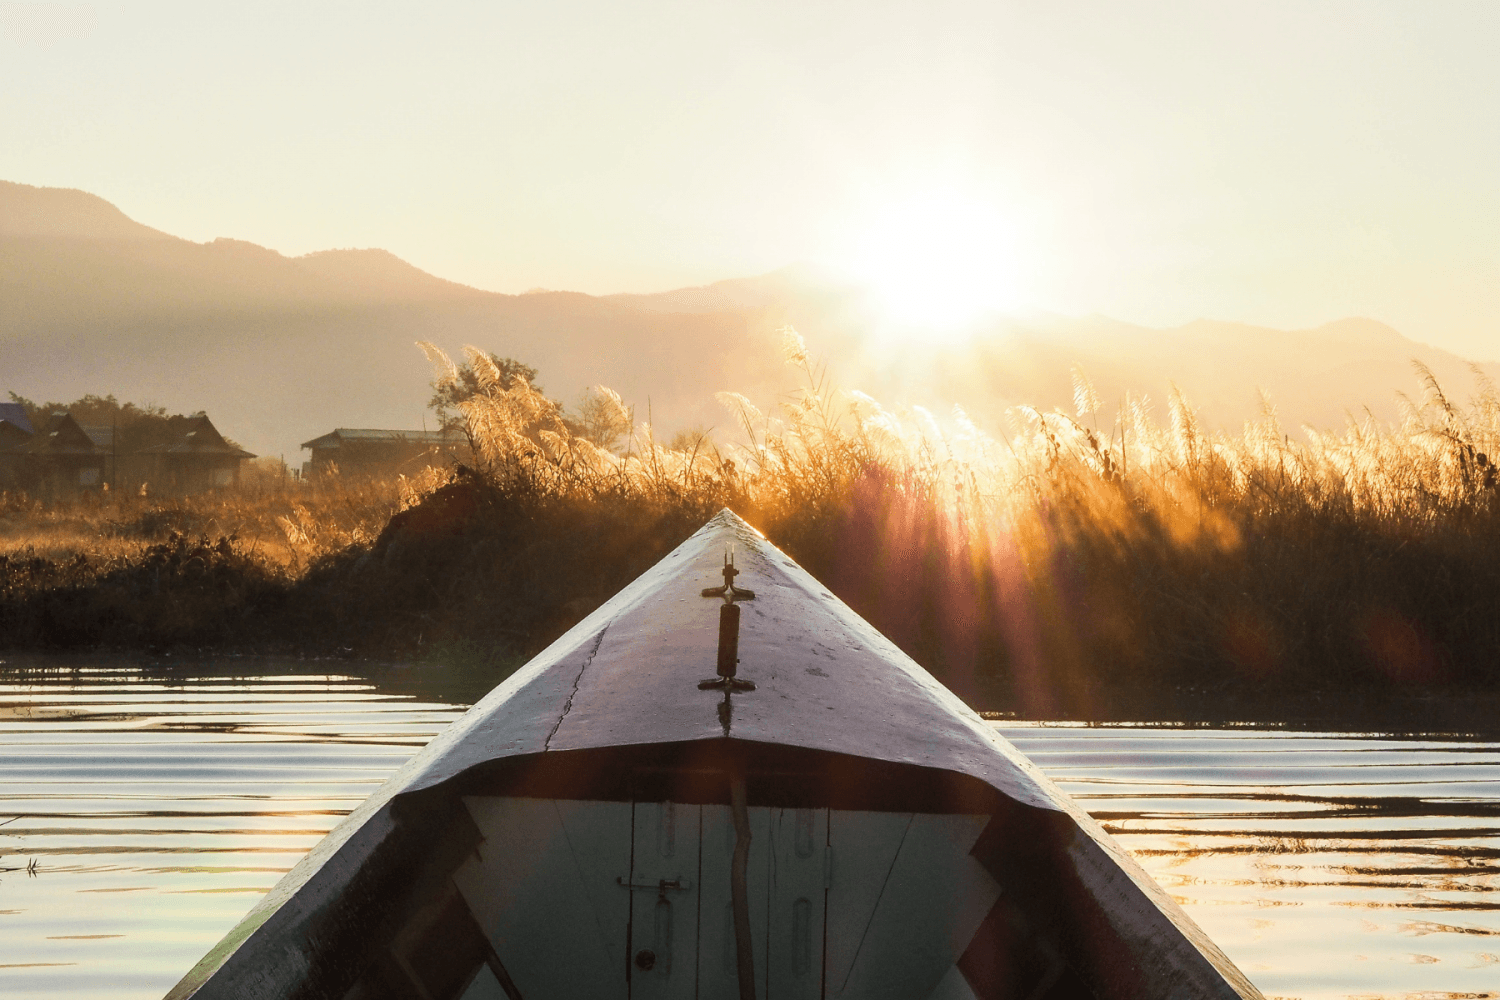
(1275, 163)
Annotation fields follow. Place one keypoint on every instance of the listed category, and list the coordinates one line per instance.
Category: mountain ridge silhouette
(281, 349)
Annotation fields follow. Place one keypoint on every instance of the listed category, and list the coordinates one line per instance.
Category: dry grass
(286, 522)
(1083, 564)
(209, 570)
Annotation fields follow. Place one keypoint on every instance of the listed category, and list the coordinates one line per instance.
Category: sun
(937, 261)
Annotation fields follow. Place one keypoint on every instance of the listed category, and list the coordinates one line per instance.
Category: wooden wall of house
(177, 474)
(61, 477)
(384, 458)
(15, 471)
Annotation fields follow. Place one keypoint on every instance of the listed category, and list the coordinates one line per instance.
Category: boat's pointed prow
(721, 775)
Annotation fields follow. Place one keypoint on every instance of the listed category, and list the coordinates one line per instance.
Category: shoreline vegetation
(1137, 567)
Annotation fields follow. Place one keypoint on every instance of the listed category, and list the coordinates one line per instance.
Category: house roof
(201, 438)
(338, 436)
(62, 435)
(15, 413)
(12, 438)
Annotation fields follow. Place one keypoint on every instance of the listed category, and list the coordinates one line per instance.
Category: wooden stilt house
(60, 459)
(170, 456)
(368, 451)
(193, 457)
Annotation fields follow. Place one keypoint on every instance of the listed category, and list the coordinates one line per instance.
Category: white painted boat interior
(632, 900)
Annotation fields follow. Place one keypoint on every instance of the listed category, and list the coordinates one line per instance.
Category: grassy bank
(1130, 567)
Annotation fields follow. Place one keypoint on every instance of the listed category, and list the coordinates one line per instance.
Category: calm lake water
(158, 811)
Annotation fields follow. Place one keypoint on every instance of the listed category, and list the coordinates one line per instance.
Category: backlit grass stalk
(1068, 559)
(1081, 564)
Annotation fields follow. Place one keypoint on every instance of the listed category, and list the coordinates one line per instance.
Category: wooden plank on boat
(538, 890)
(717, 972)
(664, 883)
(931, 901)
(798, 903)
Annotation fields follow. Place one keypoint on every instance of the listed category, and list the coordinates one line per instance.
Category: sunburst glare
(938, 261)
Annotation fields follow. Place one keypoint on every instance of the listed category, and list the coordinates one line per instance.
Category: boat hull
(841, 731)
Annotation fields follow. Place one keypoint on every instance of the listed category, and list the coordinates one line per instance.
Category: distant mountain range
(281, 349)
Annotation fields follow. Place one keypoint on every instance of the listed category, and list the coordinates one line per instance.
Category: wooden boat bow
(617, 711)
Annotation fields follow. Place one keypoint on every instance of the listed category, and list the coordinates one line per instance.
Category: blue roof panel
(15, 413)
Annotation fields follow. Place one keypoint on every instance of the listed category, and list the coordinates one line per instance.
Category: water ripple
(159, 810)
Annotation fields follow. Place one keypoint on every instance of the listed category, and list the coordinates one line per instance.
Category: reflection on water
(1324, 865)
(159, 811)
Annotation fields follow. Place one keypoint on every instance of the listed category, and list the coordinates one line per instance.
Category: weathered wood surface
(627, 676)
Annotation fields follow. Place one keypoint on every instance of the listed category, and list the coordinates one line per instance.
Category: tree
(693, 440)
(92, 411)
(448, 393)
(603, 417)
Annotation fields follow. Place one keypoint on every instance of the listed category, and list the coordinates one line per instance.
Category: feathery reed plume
(1079, 562)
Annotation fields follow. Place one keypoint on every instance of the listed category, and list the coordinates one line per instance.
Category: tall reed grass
(1085, 562)
(1089, 563)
